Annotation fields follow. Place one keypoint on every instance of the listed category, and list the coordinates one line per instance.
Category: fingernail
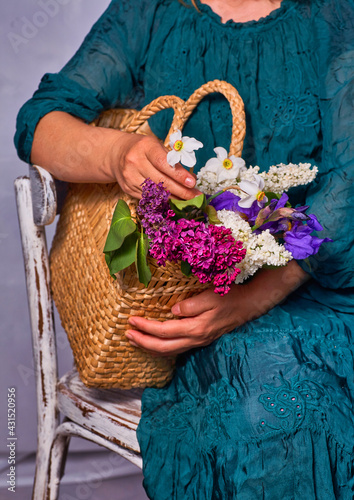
(176, 310)
(131, 339)
(132, 322)
(190, 182)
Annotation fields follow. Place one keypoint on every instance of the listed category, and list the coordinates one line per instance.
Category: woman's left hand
(207, 316)
(204, 318)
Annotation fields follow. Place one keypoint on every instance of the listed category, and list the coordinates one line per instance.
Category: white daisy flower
(254, 191)
(225, 168)
(182, 150)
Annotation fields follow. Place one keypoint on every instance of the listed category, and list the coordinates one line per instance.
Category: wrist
(111, 142)
(265, 290)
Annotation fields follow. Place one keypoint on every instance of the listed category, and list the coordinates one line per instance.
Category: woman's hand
(204, 318)
(74, 151)
(207, 316)
(135, 158)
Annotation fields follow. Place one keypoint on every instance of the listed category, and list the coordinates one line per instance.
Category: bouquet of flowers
(241, 222)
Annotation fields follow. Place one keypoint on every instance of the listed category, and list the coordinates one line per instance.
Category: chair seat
(113, 414)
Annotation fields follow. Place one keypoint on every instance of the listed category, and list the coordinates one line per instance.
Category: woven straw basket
(94, 309)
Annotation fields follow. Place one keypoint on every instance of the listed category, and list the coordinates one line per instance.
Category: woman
(261, 405)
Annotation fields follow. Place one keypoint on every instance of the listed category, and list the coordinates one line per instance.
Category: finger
(134, 178)
(177, 180)
(163, 329)
(161, 347)
(199, 304)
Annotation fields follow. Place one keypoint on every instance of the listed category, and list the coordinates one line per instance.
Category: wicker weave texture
(94, 309)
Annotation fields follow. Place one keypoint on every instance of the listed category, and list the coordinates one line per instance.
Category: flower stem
(223, 191)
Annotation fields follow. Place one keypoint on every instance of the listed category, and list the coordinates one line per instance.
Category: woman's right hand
(134, 158)
(74, 151)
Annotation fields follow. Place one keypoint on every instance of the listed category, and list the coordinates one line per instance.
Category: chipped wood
(42, 326)
(114, 413)
(44, 198)
(106, 417)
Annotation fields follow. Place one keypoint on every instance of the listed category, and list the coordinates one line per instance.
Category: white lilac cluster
(279, 178)
(262, 249)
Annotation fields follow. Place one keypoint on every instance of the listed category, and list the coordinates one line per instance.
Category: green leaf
(122, 226)
(142, 267)
(196, 202)
(212, 215)
(186, 268)
(272, 196)
(124, 256)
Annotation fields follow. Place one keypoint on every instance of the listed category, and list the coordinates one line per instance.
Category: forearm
(268, 288)
(72, 150)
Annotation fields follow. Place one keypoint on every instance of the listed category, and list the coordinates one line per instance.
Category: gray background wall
(37, 36)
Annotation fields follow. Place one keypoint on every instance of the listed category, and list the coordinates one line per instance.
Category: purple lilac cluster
(211, 251)
(154, 210)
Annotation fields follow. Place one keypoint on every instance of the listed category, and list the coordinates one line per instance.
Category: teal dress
(266, 411)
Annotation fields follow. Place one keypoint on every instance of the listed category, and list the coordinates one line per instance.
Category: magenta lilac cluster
(211, 251)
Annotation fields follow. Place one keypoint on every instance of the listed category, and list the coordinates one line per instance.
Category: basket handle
(237, 111)
(159, 104)
(183, 110)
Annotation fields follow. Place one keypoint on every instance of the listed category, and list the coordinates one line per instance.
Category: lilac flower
(153, 209)
(211, 251)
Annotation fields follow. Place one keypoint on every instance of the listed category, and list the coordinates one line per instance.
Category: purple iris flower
(314, 224)
(278, 225)
(225, 200)
(299, 241)
(229, 201)
(279, 203)
(251, 213)
(293, 223)
(278, 218)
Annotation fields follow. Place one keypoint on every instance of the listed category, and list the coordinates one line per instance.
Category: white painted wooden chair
(65, 407)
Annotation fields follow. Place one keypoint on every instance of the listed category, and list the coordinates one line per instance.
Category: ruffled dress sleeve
(106, 71)
(331, 196)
